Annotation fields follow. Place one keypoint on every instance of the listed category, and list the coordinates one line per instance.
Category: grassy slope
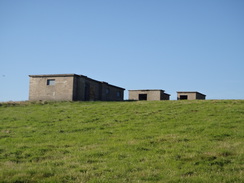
(164, 141)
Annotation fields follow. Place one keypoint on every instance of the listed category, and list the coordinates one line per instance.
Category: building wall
(191, 95)
(72, 88)
(151, 94)
(164, 96)
(78, 91)
(86, 89)
(111, 93)
(61, 90)
(200, 96)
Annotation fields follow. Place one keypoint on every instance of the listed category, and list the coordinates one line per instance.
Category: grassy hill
(163, 141)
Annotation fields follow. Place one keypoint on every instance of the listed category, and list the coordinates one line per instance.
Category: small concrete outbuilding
(72, 87)
(190, 95)
(148, 95)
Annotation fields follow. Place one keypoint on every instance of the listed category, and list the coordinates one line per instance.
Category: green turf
(161, 141)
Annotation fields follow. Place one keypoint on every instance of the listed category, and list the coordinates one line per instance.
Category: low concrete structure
(72, 87)
(148, 95)
(190, 95)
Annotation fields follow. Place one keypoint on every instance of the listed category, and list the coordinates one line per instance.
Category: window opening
(51, 82)
(107, 91)
(118, 94)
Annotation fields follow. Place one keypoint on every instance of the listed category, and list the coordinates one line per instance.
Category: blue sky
(174, 45)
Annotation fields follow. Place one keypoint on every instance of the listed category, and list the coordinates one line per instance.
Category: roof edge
(74, 75)
(167, 94)
(190, 92)
(148, 90)
(115, 86)
(53, 75)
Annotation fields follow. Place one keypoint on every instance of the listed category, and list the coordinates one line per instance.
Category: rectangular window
(51, 82)
(107, 91)
(118, 94)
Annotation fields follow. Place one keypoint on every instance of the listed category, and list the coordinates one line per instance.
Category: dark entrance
(142, 96)
(183, 97)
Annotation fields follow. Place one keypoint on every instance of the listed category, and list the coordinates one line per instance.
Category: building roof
(148, 90)
(151, 90)
(53, 75)
(167, 94)
(190, 92)
(73, 75)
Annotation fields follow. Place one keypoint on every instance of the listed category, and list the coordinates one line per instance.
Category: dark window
(183, 97)
(118, 94)
(142, 96)
(107, 91)
(51, 82)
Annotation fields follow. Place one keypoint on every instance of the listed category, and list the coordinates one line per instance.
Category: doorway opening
(183, 97)
(142, 96)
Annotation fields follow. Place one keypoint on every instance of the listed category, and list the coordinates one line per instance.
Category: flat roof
(72, 75)
(148, 90)
(53, 75)
(190, 92)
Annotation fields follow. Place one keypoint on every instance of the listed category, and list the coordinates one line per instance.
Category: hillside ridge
(130, 141)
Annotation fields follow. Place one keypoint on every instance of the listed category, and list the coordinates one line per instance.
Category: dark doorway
(183, 97)
(142, 96)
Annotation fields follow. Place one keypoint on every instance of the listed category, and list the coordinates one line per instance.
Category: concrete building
(148, 95)
(72, 87)
(190, 95)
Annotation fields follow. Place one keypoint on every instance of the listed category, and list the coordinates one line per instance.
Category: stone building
(72, 87)
(148, 95)
(190, 95)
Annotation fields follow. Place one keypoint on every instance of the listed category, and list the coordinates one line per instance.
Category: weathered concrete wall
(71, 87)
(87, 89)
(165, 96)
(191, 95)
(111, 93)
(78, 91)
(91, 89)
(151, 94)
(200, 96)
(93, 92)
(61, 90)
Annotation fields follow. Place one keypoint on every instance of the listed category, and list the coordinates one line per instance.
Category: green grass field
(161, 141)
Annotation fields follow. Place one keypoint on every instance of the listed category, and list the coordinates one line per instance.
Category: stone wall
(71, 87)
(165, 96)
(111, 93)
(190, 96)
(200, 96)
(62, 89)
(147, 95)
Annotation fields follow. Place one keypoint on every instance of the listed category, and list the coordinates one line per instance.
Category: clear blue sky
(174, 45)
